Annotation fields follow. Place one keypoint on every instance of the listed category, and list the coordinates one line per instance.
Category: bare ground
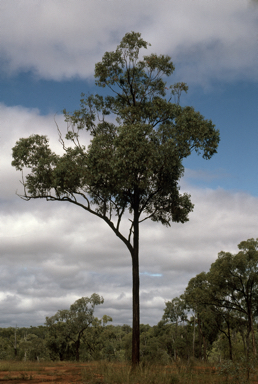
(55, 374)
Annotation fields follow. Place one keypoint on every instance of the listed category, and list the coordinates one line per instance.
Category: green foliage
(66, 327)
(228, 294)
(32, 348)
(142, 153)
(175, 311)
(220, 347)
(30, 343)
(233, 286)
(236, 278)
(101, 341)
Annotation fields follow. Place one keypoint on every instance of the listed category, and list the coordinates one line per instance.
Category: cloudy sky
(52, 253)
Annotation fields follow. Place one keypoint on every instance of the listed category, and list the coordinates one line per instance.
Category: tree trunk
(247, 344)
(204, 348)
(230, 345)
(175, 351)
(243, 339)
(194, 339)
(229, 339)
(136, 312)
(15, 343)
(253, 335)
(77, 350)
(136, 286)
(199, 336)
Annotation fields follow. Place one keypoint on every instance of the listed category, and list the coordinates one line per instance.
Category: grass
(192, 372)
(103, 372)
(14, 365)
(115, 373)
(19, 366)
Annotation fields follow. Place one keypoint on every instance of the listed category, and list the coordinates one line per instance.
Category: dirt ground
(68, 373)
(58, 373)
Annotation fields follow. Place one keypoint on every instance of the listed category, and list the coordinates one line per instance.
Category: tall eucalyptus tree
(132, 166)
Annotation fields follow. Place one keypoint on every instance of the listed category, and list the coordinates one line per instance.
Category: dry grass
(103, 372)
(19, 366)
(115, 373)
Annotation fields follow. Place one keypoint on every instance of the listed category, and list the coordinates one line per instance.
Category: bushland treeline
(214, 319)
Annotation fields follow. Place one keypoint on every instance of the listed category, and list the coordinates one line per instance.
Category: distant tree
(175, 313)
(132, 168)
(9, 341)
(68, 325)
(197, 300)
(226, 297)
(32, 347)
(105, 319)
(233, 286)
(95, 338)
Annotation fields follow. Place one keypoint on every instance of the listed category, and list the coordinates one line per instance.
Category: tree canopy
(133, 164)
(230, 291)
(233, 285)
(67, 326)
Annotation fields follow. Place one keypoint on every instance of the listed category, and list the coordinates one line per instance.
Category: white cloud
(53, 253)
(62, 39)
